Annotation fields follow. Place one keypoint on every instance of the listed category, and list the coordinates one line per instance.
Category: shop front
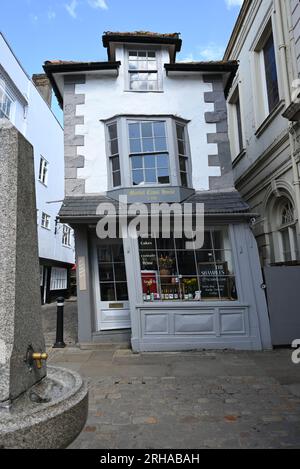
(166, 297)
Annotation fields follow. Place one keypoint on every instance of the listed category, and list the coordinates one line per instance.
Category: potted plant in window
(166, 264)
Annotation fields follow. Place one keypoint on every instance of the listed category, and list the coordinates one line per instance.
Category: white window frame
(66, 236)
(6, 95)
(59, 279)
(143, 48)
(172, 149)
(46, 221)
(234, 134)
(257, 61)
(43, 171)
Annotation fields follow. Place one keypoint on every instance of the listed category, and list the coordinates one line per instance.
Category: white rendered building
(22, 103)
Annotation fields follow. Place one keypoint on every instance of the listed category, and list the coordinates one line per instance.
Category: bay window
(169, 272)
(148, 152)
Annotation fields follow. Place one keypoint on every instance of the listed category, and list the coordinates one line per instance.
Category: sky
(39, 30)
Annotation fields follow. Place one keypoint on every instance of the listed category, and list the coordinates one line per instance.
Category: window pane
(271, 73)
(190, 287)
(108, 292)
(114, 148)
(122, 292)
(137, 162)
(181, 147)
(162, 161)
(133, 65)
(151, 54)
(182, 164)
(116, 179)
(120, 272)
(152, 65)
(106, 273)
(160, 144)
(184, 180)
(135, 146)
(163, 176)
(115, 162)
(134, 131)
(143, 65)
(104, 254)
(138, 177)
(142, 54)
(165, 245)
(113, 133)
(118, 253)
(150, 175)
(153, 86)
(133, 54)
(180, 132)
(159, 129)
(152, 76)
(148, 144)
(186, 263)
(150, 161)
(147, 130)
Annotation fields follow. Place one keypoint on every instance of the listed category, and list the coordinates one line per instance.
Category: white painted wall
(40, 127)
(106, 97)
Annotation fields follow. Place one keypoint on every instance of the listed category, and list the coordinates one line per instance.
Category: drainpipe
(287, 95)
(283, 53)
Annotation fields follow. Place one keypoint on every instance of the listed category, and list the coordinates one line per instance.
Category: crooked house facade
(143, 126)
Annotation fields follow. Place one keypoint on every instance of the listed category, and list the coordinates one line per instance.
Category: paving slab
(188, 400)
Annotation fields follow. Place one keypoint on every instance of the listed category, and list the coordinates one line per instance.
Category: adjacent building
(26, 104)
(263, 111)
(144, 126)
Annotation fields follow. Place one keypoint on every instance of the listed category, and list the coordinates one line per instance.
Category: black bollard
(60, 324)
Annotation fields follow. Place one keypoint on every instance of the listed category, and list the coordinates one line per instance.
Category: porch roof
(216, 203)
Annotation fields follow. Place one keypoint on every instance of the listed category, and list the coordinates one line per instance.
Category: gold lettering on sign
(82, 273)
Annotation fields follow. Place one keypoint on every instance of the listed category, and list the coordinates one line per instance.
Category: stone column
(20, 303)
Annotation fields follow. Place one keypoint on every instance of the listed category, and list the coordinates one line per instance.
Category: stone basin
(50, 415)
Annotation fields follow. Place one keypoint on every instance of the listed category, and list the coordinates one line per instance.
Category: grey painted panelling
(219, 117)
(73, 161)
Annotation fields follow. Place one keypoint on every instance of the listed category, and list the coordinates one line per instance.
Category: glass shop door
(113, 311)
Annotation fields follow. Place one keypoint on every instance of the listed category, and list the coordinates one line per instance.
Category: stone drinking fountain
(40, 406)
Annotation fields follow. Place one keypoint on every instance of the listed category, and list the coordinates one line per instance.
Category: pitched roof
(216, 203)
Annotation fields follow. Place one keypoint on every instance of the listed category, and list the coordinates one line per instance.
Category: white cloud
(71, 8)
(98, 4)
(211, 51)
(234, 3)
(51, 15)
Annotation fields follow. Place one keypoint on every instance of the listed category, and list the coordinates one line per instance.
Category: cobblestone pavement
(187, 400)
(70, 322)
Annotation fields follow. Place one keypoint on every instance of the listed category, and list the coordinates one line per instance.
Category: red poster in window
(149, 282)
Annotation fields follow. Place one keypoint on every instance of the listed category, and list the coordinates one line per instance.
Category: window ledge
(45, 228)
(43, 183)
(66, 246)
(143, 91)
(238, 158)
(270, 118)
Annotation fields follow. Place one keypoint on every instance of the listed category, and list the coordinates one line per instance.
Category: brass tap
(38, 357)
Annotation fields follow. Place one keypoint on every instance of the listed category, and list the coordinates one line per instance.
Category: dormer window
(144, 70)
